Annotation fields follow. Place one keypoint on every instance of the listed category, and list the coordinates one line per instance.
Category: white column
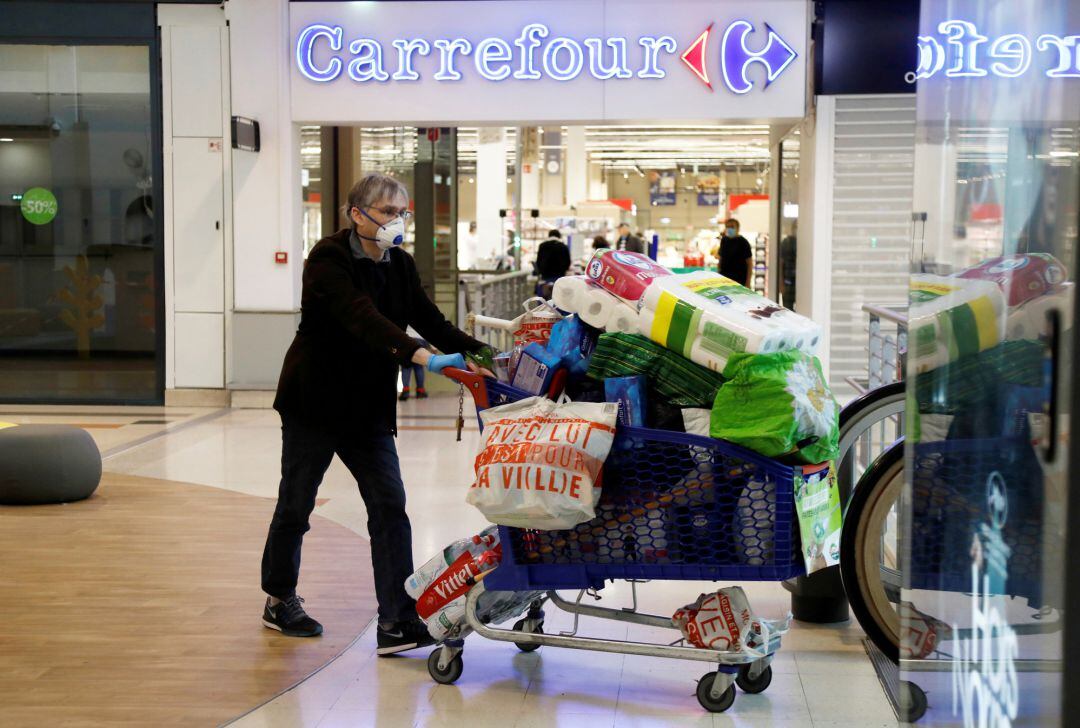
(935, 167)
(597, 181)
(553, 169)
(198, 201)
(775, 187)
(814, 264)
(530, 169)
(576, 165)
(530, 186)
(490, 191)
(266, 185)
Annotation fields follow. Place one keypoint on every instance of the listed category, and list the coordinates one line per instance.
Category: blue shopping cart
(673, 507)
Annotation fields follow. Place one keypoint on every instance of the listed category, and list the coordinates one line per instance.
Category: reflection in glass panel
(990, 373)
(78, 313)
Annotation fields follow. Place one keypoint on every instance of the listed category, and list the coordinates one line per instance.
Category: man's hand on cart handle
(482, 371)
(437, 362)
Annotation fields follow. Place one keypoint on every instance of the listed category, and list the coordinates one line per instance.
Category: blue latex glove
(438, 362)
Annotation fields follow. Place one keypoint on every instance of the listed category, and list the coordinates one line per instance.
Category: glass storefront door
(997, 166)
(79, 255)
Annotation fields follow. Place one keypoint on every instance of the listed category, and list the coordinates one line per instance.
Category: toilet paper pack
(625, 274)
(624, 319)
(1029, 320)
(1021, 276)
(569, 293)
(708, 318)
(598, 308)
(951, 318)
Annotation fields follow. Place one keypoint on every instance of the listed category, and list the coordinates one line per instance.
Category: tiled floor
(822, 677)
(113, 428)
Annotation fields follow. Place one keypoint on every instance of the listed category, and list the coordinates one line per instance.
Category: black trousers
(306, 453)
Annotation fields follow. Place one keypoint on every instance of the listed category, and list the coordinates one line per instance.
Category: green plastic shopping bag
(778, 405)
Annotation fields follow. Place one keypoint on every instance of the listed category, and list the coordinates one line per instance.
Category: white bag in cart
(536, 323)
(539, 465)
(723, 621)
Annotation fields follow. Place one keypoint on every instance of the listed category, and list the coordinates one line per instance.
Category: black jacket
(341, 370)
(552, 259)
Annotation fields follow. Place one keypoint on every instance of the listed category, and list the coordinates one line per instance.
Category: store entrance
(479, 211)
(81, 256)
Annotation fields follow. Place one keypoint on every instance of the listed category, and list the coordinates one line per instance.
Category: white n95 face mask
(390, 235)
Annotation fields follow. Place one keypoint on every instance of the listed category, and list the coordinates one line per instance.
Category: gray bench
(47, 464)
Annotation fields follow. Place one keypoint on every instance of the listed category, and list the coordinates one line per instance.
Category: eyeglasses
(393, 212)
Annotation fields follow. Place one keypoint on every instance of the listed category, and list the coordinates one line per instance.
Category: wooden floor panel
(141, 606)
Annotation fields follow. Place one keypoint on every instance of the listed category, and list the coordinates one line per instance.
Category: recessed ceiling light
(6, 139)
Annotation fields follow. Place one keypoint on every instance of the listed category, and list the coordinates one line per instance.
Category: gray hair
(371, 189)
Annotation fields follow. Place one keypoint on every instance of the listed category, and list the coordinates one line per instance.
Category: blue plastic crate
(673, 506)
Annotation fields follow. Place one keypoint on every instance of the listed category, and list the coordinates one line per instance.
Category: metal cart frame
(715, 690)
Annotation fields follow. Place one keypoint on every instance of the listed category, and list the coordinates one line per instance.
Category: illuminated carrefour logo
(961, 51)
(324, 54)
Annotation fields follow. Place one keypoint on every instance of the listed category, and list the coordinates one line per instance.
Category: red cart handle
(477, 384)
(474, 383)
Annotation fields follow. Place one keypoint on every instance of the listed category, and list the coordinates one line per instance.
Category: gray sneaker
(289, 618)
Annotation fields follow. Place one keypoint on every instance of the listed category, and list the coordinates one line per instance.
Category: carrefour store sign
(570, 60)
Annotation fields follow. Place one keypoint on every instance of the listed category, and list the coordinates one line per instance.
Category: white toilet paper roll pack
(569, 292)
(714, 358)
(732, 318)
(598, 307)
(624, 319)
(951, 318)
(1029, 320)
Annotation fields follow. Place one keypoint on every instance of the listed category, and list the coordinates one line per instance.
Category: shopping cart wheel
(754, 685)
(913, 703)
(537, 628)
(452, 671)
(708, 702)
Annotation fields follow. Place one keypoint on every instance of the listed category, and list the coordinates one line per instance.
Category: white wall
(576, 166)
(491, 153)
(266, 185)
(871, 184)
(198, 207)
(813, 267)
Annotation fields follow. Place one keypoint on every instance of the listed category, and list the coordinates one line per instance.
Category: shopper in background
(736, 256)
(552, 262)
(468, 245)
(788, 262)
(629, 241)
(336, 395)
(507, 261)
(410, 369)
(598, 243)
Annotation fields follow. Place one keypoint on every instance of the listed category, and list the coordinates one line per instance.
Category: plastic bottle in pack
(447, 620)
(436, 565)
(754, 524)
(515, 359)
